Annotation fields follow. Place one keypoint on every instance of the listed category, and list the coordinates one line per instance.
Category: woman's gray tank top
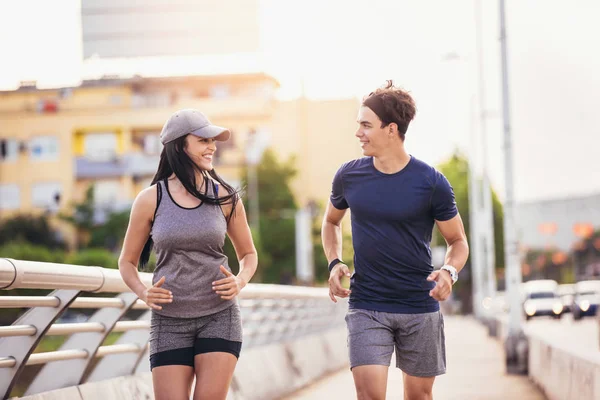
(189, 251)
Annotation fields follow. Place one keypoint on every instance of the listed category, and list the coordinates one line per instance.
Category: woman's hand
(230, 286)
(157, 295)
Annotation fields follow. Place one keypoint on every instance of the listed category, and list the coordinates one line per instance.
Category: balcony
(133, 164)
(139, 165)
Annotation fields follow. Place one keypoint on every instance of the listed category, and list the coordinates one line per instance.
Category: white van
(541, 298)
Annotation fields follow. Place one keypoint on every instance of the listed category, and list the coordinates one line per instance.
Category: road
(476, 371)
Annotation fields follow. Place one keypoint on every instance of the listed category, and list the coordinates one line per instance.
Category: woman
(196, 328)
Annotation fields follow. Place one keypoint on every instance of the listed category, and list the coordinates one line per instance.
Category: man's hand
(228, 287)
(443, 285)
(335, 285)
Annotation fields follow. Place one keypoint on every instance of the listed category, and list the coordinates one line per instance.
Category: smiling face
(201, 151)
(374, 140)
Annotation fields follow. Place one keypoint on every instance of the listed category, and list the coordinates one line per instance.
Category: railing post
(20, 347)
(116, 365)
(60, 374)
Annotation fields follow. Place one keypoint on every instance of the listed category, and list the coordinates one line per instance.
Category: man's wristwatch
(452, 271)
(334, 262)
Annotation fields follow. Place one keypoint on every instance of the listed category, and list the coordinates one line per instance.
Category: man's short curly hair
(392, 104)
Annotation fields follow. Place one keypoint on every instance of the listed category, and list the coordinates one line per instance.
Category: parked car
(566, 292)
(586, 299)
(541, 298)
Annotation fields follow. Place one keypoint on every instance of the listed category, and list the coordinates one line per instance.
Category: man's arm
(331, 232)
(331, 235)
(453, 232)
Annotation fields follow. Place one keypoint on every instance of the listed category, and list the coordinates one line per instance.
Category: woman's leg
(172, 382)
(213, 375)
(217, 347)
(172, 357)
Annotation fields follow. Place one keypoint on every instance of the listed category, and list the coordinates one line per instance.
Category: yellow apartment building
(55, 143)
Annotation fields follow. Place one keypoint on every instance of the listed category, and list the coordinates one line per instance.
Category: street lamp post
(253, 197)
(483, 204)
(487, 214)
(474, 213)
(255, 146)
(516, 342)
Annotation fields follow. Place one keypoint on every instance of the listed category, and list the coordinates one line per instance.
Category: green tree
(498, 230)
(82, 217)
(321, 271)
(31, 252)
(94, 257)
(275, 240)
(30, 229)
(110, 234)
(456, 170)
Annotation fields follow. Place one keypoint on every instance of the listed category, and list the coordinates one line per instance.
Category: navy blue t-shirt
(392, 223)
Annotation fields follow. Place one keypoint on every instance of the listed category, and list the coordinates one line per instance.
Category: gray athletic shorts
(176, 341)
(418, 339)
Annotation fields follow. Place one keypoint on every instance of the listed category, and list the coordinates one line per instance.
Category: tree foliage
(456, 170)
(275, 240)
(31, 229)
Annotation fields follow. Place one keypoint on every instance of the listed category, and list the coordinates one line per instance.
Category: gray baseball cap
(192, 121)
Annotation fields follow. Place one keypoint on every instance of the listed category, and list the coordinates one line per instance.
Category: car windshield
(542, 295)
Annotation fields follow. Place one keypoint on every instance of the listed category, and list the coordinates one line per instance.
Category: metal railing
(270, 314)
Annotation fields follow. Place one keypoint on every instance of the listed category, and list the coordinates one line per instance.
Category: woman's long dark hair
(174, 160)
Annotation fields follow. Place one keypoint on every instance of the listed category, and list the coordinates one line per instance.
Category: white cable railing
(270, 313)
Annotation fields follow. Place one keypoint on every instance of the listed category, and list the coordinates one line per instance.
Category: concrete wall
(264, 372)
(562, 374)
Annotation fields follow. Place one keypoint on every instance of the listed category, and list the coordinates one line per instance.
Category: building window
(143, 182)
(148, 141)
(10, 197)
(107, 193)
(141, 100)
(219, 91)
(152, 144)
(43, 148)
(46, 195)
(101, 146)
(9, 150)
(115, 99)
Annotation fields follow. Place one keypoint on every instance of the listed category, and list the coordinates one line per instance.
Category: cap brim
(213, 132)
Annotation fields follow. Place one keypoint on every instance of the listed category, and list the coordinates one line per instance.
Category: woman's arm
(138, 231)
(241, 237)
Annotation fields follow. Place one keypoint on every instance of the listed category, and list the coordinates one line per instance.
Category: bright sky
(343, 48)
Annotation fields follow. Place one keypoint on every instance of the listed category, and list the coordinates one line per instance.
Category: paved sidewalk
(475, 372)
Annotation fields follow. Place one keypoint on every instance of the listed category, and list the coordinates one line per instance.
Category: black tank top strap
(158, 199)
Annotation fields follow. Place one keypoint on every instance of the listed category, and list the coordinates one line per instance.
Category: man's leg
(420, 352)
(370, 345)
(417, 387)
(370, 381)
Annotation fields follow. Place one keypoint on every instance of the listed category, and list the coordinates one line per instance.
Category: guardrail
(271, 314)
(561, 372)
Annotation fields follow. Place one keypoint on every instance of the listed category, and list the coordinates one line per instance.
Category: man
(394, 199)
